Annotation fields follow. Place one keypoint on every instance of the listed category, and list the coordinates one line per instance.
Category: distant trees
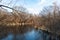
(16, 15)
(20, 16)
(20, 8)
(52, 20)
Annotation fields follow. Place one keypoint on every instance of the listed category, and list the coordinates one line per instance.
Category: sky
(33, 6)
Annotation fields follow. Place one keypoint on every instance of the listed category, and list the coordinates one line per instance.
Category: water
(31, 35)
(9, 37)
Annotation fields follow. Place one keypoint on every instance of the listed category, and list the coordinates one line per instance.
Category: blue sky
(33, 6)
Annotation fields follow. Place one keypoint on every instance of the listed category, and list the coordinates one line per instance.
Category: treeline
(49, 22)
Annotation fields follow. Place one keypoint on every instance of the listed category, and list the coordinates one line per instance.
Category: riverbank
(26, 30)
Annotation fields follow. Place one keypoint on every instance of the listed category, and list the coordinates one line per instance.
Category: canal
(30, 35)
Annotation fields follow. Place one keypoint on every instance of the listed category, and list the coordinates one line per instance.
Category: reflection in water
(32, 35)
(9, 37)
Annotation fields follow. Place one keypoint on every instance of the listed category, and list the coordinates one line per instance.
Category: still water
(31, 35)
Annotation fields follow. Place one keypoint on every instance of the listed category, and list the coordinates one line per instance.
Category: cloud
(37, 7)
(33, 10)
(45, 2)
(34, 6)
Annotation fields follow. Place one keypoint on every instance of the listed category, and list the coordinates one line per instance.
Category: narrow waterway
(31, 35)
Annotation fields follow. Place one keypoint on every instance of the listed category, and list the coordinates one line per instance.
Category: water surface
(31, 35)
